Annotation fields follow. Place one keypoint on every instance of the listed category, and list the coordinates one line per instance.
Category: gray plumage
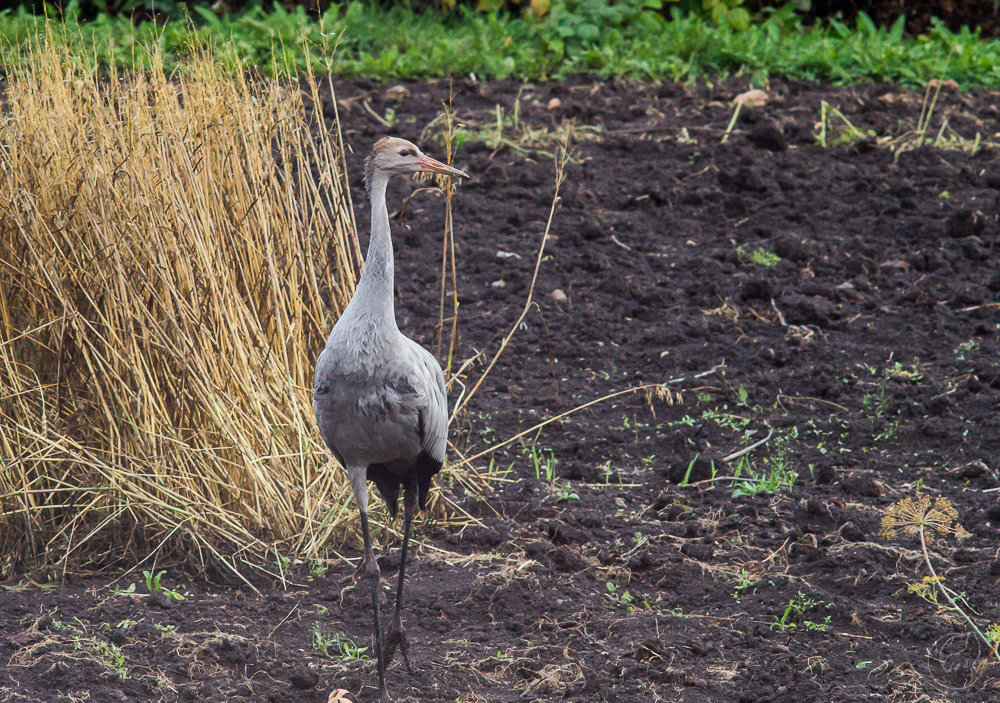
(380, 397)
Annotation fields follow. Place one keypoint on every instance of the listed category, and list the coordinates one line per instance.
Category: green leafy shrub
(576, 23)
(634, 40)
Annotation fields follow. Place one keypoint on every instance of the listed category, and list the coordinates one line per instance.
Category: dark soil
(845, 299)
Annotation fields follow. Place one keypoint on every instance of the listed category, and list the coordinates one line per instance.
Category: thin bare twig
(747, 450)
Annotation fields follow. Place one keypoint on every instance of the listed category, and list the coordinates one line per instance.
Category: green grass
(794, 617)
(761, 257)
(336, 646)
(359, 39)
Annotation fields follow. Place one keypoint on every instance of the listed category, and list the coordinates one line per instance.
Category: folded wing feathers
(428, 381)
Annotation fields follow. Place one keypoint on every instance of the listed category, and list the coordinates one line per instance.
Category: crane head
(393, 156)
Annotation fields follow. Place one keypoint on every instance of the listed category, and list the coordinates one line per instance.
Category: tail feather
(389, 483)
(425, 470)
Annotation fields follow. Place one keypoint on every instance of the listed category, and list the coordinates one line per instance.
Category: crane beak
(435, 166)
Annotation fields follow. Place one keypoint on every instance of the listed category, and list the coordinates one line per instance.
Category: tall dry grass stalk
(173, 253)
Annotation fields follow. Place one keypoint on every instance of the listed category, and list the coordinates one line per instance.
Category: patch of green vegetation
(744, 580)
(620, 595)
(775, 474)
(876, 398)
(91, 646)
(337, 646)
(544, 462)
(759, 256)
(965, 348)
(317, 569)
(566, 494)
(154, 585)
(628, 38)
(794, 617)
(836, 130)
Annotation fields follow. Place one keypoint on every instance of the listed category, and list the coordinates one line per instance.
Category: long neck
(375, 289)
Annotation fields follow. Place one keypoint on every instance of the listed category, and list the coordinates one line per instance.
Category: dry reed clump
(173, 252)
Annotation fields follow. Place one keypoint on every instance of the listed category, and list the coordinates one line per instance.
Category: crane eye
(404, 152)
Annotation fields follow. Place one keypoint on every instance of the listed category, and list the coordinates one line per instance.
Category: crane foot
(396, 637)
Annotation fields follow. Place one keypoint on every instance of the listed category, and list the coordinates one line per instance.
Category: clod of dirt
(116, 636)
(972, 251)
(396, 93)
(640, 562)
(816, 507)
(567, 561)
(560, 533)
(698, 469)
(303, 678)
(755, 97)
(935, 427)
(969, 294)
(767, 136)
(965, 223)
(862, 486)
(994, 513)
(23, 639)
(776, 357)
(699, 648)
(825, 473)
(650, 649)
(852, 533)
(698, 550)
(805, 552)
(675, 512)
(486, 536)
(756, 289)
(848, 291)
(965, 556)
(746, 178)
(991, 176)
(807, 310)
(789, 246)
(161, 600)
(537, 549)
(974, 469)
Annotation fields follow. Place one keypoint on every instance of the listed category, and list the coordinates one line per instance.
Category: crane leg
(373, 575)
(396, 636)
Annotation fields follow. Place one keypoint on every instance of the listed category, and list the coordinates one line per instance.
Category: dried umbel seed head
(911, 516)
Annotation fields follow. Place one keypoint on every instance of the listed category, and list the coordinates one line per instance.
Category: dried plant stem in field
(923, 517)
(171, 252)
(448, 248)
(660, 390)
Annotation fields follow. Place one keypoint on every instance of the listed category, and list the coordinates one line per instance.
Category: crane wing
(427, 379)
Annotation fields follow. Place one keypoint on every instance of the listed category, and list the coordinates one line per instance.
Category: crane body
(379, 397)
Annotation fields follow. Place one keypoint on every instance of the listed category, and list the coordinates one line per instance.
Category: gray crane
(380, 397)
